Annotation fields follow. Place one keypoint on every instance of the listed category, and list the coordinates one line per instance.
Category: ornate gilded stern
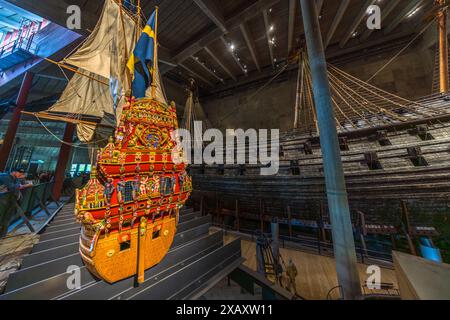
(129, 208)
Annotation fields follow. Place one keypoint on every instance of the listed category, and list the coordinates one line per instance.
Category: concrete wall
(409, 76)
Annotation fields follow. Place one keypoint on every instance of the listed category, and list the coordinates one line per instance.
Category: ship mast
(443, 47)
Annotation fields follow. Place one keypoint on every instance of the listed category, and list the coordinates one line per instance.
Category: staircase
(197, 260)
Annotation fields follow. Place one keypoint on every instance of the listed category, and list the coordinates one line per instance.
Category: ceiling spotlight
(354, 34)
(232, 47)
(271, 28)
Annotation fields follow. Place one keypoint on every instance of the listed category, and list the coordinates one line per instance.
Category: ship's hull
(129, 207)
(376, 191)
(116, 256)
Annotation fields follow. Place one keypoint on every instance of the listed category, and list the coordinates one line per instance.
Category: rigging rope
(68, 143)
(401, 51)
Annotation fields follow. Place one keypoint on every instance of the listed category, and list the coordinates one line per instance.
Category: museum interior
(224, 150)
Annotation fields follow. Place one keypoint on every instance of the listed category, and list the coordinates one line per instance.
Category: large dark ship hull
(384, 166)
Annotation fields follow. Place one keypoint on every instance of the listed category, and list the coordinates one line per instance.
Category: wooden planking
(427, 187)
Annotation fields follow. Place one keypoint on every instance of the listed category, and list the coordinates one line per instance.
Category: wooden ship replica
(395, 154)
(130, 206)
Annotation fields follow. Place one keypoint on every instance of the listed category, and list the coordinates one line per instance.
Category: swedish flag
(142, 60)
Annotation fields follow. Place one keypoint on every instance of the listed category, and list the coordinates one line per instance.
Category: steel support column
(8, 141)
(275, 228)
(343, 242)
(64, 155)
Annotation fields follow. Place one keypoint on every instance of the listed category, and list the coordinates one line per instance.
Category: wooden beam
(266, 25)
(195, 74)
(337, 19)
(291, 24)
(213, 56)
(386, 11)
(232, 54)
(250, 44)
(207, 69)
(362, 13)
(319, 6)
(200, 41)
(411, 6)
(55, 11)
(195, 45)
(213, 13)
(334, 53)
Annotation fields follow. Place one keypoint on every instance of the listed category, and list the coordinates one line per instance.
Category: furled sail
(159, 92)
(85, 96)
(95, 55)
(194, 112)
(102, 56)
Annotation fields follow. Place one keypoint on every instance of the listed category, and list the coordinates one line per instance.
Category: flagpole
(138, 11)
(155, 55)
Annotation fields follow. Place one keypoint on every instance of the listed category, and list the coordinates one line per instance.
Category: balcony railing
(24, 43)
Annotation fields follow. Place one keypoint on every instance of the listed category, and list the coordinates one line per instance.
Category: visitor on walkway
(291, 271)
(14, 182)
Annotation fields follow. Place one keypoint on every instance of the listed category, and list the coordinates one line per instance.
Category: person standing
(291, 271)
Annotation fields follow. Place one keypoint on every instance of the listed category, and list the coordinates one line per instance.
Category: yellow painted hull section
(113, 259)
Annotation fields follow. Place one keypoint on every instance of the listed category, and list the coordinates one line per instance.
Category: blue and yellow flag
(142, 60)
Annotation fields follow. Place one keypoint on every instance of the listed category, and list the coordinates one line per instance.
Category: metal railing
(19, 208)
(311, 244)
(24, 43)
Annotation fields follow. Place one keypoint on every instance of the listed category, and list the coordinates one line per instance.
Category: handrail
(25, 43)
(321, 247)
(31, 200)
